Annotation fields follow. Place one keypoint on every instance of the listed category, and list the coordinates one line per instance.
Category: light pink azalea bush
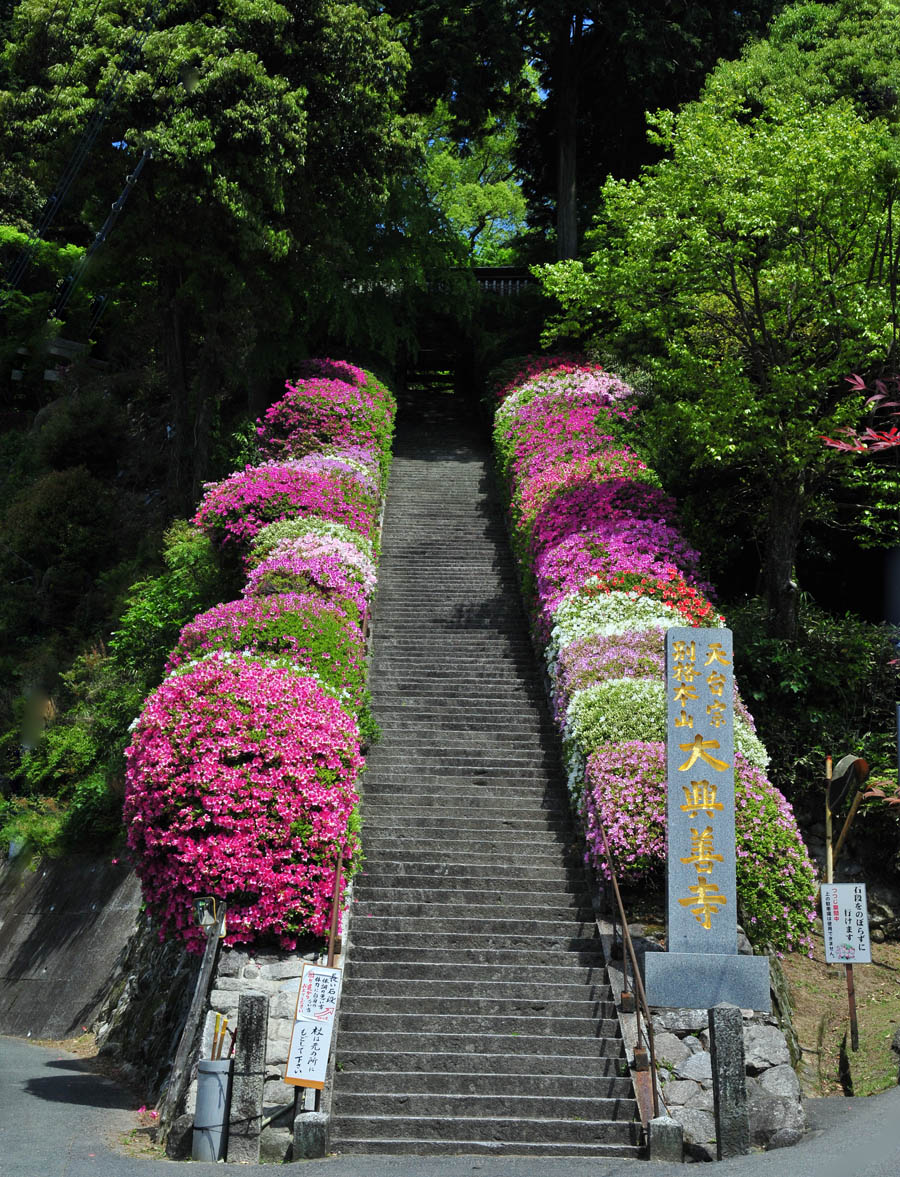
(604, 568)
(329, 567)
(241, 784)
(626, 792)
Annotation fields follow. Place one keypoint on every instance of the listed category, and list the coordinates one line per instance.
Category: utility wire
(82, 150)
(71, 283)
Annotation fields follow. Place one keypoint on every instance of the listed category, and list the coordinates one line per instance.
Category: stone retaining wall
(776, 1113)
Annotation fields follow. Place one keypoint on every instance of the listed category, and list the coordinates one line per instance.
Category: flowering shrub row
(242, 766)
(605, 572)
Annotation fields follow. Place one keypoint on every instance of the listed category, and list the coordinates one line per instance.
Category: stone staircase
(476, 1015)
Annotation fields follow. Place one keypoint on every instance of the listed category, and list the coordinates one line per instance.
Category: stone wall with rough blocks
(777, 1118)
(277, 975)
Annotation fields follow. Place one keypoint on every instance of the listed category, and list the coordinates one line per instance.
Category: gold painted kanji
(698, 751)
(701, 798)
(704, 901)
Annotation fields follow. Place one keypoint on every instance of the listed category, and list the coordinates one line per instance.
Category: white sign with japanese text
(317, 1001)
(845, 921)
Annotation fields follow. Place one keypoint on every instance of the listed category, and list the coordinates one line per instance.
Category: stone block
(224, 1001)
(665, 1139)
(276, 1092)
(681, 1020)
(784, 1138)
(764, 1047)
(276, 1143)
(781, 1081)
(670, 1049)
(693, 1043)
(283, 1005)
(310, 1136)
(771, 1114)
(689, 1094)
(697, 1067)
(699, 1127)
(282, 970)
(693, 979)
(230, 964)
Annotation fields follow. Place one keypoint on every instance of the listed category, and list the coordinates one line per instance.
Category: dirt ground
(822, 1021)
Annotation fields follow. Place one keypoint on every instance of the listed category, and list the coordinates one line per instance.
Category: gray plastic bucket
(211, 1115)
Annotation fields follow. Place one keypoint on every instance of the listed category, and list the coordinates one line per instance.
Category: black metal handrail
(633, 1000)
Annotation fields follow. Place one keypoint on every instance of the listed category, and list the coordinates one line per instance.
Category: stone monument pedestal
(700, 980)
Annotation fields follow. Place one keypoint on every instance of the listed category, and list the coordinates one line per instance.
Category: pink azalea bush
(241, 784)
(626, 793)
(232, 512)
(321, 638)
(606, 571)
(270, 536)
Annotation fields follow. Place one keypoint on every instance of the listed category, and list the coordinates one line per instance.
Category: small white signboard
(845, 919)
(317, 1001)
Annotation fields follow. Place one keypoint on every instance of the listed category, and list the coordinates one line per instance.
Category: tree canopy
(753, 268)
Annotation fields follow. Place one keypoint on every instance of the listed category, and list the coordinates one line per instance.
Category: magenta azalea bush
(318, 412)
(605, 571)
(233, 511)
(626, 793)
(241, 784)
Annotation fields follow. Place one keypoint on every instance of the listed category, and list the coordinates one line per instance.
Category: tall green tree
(751, 269)
(277, 201)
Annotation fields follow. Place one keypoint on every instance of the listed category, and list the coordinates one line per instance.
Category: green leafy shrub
(832, 690)
(157, 609)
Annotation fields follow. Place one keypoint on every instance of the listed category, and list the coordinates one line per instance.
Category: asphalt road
(60, 1119)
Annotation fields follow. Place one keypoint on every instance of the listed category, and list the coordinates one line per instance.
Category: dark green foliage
(832, 691)
(86, 428)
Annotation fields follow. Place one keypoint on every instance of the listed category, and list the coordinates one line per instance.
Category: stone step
(490, 777)
(427, 926)
(595, 1068)
(403, 871)
(396, 849)
(559, 977)
(411, 1010)
(453, 913)
(370, 895)
(583, 954)
(522, 1085)
(429, 804)
(367, 935)
(461, 1041)
(467, 988)
(462, 1107)
(418, 1147)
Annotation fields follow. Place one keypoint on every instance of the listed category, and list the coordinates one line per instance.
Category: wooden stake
(851, 1000)
(829, 850)
(335, 909)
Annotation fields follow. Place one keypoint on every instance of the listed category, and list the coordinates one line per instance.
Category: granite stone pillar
(249, 1075)
(726, 1046)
